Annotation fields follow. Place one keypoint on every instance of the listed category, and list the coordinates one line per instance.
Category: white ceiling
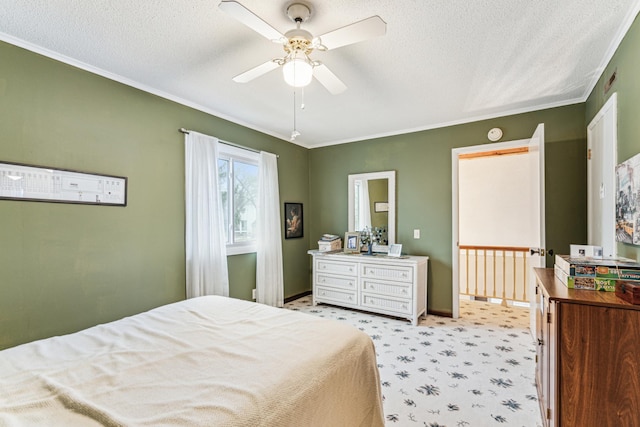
(441, 62)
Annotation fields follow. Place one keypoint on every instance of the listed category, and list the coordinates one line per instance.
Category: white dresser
(380, 284)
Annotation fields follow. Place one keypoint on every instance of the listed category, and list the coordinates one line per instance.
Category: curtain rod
(183, 130)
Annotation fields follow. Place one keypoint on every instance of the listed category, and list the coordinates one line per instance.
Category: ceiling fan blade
(261, 69)
(250, 19)
(354, 33)
(328, 79)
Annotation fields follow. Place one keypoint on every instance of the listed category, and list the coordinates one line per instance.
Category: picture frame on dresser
(352, 242)
(395, 250)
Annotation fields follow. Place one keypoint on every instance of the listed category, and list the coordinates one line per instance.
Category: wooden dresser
(588, 358)
(379, 284)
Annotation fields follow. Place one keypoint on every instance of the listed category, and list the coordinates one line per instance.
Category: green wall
(626, 61)
(423, 182)
(65, 267)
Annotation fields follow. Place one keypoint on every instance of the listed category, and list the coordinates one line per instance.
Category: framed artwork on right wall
(628, 201)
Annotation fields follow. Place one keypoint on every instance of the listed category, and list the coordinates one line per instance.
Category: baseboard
(295, 297)
(440, 313)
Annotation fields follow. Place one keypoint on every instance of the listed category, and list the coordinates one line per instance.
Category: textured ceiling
(440, 63)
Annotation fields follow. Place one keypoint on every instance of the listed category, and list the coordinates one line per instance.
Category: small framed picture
(395, 250)
(381, 206)
(352, 242)
(293, 220)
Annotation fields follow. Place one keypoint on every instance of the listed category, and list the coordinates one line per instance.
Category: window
(238, 181)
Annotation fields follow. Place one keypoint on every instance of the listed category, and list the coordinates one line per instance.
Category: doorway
(498, 204)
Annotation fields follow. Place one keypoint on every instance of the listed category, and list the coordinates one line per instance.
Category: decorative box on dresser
(588, 358)
(379, 283)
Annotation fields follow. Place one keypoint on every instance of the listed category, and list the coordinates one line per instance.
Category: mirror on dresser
(372, 203)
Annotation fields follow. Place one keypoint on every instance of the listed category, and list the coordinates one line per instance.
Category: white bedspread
(208, 361)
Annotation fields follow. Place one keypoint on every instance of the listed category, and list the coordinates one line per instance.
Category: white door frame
(539, 259)
(604, 166)
(455, 215)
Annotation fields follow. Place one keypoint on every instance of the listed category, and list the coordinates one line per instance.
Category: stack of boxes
(329, 243)
(594, 273)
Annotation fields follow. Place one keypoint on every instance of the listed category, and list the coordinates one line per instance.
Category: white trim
(455, 215)
(454, 122)
(611, 106)
(112, 76)
(615, 44)
(137, 85)
(240, 249)
(120, 79)
(455, 234)
(611, 103)
(232, 152)
(391, 214)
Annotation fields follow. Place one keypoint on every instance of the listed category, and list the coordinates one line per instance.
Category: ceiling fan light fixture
(297, 71)
(298, 68)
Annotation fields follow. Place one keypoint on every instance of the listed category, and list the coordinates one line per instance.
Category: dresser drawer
(325, 294)
(349, 283)
(336, 267)
(380, 303)
(398, 273)
(393, 289)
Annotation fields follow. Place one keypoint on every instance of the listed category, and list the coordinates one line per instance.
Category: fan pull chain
(294, 133)
(302, 100)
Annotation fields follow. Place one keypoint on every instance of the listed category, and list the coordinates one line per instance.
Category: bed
(206, 361)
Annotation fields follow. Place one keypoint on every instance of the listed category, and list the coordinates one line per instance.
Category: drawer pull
(322, 293)
(350, 298)
(372, 287)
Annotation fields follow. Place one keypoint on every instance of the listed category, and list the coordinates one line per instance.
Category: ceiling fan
(297, 65)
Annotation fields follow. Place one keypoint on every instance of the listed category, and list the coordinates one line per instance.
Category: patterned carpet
(478, 370)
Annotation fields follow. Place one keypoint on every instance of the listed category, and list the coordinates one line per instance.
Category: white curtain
(206, 252)
(269, 275)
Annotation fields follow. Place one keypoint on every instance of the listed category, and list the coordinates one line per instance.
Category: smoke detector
(494, 134)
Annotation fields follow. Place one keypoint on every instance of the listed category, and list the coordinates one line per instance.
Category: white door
(601, 185)
(537, 259)
(536, 182)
